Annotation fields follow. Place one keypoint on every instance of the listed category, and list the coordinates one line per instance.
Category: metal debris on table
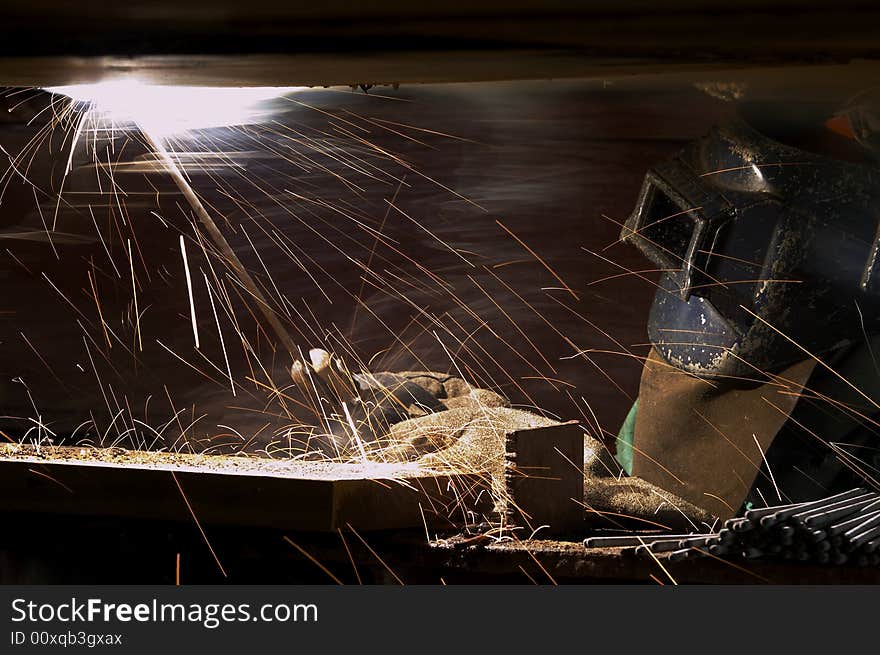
(840, 529)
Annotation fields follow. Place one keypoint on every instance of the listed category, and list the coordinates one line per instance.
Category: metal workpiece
(757, 514)
(630, 540)
(826, 516)
(741, 525)
(658, 547)
(699, 542)
(860, 538)
(544, 478)
(777, 533)
(241, 491)
(784, 512)
(860, 521)
(679, 555)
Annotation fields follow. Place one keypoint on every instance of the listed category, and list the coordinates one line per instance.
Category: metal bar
(243, 491)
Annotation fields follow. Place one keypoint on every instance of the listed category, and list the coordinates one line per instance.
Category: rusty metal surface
(555, 561)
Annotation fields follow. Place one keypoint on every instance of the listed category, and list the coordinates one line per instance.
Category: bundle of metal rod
(844, 528)
(646, 544)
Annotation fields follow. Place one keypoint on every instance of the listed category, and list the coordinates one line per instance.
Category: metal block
(544, 478)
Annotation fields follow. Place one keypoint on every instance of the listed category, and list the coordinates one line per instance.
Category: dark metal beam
(222, 490)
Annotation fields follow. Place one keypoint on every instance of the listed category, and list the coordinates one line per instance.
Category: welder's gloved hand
(358, 409)
(614, 500)
(444, 422)
(628, 502)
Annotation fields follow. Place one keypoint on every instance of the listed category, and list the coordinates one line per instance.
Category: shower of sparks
(189, 289)
(134, 295)
(263, 181)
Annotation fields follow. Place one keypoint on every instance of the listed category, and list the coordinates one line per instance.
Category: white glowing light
(758, 172)
(166, 110)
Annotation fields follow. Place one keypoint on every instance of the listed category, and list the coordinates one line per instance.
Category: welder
(762, 385)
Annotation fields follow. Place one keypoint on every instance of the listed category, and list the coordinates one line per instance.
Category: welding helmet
(768, 251)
